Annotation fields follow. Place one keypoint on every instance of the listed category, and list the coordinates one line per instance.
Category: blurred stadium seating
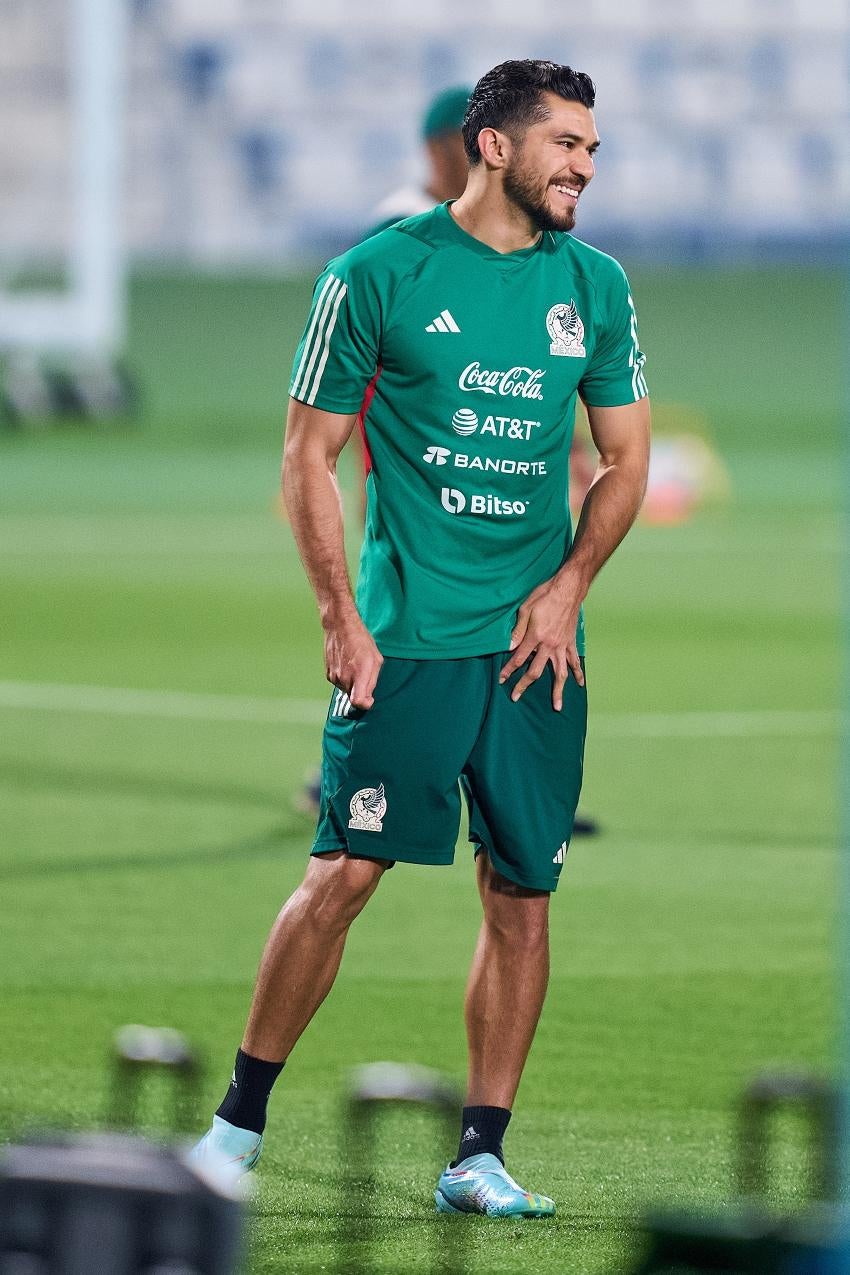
(262, 132)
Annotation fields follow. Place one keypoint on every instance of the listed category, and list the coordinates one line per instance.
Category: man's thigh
(523, 778)
(390, 773)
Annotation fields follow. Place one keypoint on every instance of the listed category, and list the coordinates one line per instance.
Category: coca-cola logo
(517, 382)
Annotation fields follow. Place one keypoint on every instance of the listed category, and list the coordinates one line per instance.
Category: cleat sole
(445, 1205)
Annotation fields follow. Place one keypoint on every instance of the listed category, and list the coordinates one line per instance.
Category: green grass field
(148, 834)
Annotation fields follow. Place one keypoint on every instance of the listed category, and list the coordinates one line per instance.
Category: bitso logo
(453, 500)
(436, 455)
(493, 506)
(368, 807)
(566, 331)
(464, 421)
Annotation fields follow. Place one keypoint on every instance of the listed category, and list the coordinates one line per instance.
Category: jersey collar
(456, 234)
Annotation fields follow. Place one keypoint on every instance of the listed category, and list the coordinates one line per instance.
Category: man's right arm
(314, 440)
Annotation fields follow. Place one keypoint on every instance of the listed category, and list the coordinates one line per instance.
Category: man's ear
(495, 147)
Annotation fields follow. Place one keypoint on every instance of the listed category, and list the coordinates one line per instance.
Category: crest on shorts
(368, 807)
(566, 331)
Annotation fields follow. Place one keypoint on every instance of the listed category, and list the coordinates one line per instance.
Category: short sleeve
(615, 373)
(339, 351)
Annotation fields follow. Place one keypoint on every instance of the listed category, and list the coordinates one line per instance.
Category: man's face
(551, 165)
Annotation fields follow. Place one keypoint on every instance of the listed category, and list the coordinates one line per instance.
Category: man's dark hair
(510, 98)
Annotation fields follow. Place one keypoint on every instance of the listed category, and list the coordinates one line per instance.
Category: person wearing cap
(446, 162)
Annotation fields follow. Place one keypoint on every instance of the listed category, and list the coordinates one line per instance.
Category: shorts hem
(504, 869)
(394, 853)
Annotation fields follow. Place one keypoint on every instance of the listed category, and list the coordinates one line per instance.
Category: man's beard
(529, 194)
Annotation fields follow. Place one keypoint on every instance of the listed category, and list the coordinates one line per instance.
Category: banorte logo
(436, 455)
(517, 382)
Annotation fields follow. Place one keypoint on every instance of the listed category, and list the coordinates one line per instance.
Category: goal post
(87, 316)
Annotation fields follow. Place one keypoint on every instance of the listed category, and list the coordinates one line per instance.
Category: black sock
(248, 1095)
(482, 1130)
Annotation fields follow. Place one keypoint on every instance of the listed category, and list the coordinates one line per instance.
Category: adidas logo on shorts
(342, 705)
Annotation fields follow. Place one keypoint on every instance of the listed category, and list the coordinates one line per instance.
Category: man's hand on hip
(352, 660)
(546, 629)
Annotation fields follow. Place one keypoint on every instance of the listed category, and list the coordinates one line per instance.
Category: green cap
(445, 113)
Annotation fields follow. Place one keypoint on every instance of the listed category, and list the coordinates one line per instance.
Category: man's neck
(494, 220)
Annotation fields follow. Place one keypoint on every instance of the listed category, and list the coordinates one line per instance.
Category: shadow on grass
(314, 1240)
(646, 834)
(265, 845)
(113, 782)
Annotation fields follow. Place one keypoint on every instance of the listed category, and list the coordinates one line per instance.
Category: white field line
(119, 701)
(744, 723)
(189, 705)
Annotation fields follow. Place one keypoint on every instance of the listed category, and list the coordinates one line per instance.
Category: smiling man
(461, 338)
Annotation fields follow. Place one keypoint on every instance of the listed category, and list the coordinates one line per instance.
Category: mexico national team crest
(368, 807)
(566, 331)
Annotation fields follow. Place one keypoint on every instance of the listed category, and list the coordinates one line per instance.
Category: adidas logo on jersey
(562, 850)
(444, 322)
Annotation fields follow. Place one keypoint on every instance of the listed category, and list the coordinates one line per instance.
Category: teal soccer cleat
(226, 1147)
(481, 1184)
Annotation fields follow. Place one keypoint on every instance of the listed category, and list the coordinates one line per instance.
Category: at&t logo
(456, 503)
(464, 421)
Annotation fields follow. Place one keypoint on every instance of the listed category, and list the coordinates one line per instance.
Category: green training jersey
(465, 364)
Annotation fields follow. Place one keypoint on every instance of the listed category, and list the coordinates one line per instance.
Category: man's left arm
(547, 620)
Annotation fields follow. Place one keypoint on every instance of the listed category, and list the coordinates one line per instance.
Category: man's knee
(514, 912)
(337, 887)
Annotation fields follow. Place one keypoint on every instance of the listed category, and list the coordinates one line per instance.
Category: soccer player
(471, 329)
(447, 170)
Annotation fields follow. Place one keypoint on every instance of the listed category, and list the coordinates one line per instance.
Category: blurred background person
(445, 162)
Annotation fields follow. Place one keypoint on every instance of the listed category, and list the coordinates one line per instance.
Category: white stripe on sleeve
(317, 380)
(313, 341)
(636, 360)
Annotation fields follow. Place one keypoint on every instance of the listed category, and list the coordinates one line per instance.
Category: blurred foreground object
(375, 1089)
(117, 1203)
(751, 1237)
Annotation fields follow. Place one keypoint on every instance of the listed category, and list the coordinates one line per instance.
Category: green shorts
(391, 774)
